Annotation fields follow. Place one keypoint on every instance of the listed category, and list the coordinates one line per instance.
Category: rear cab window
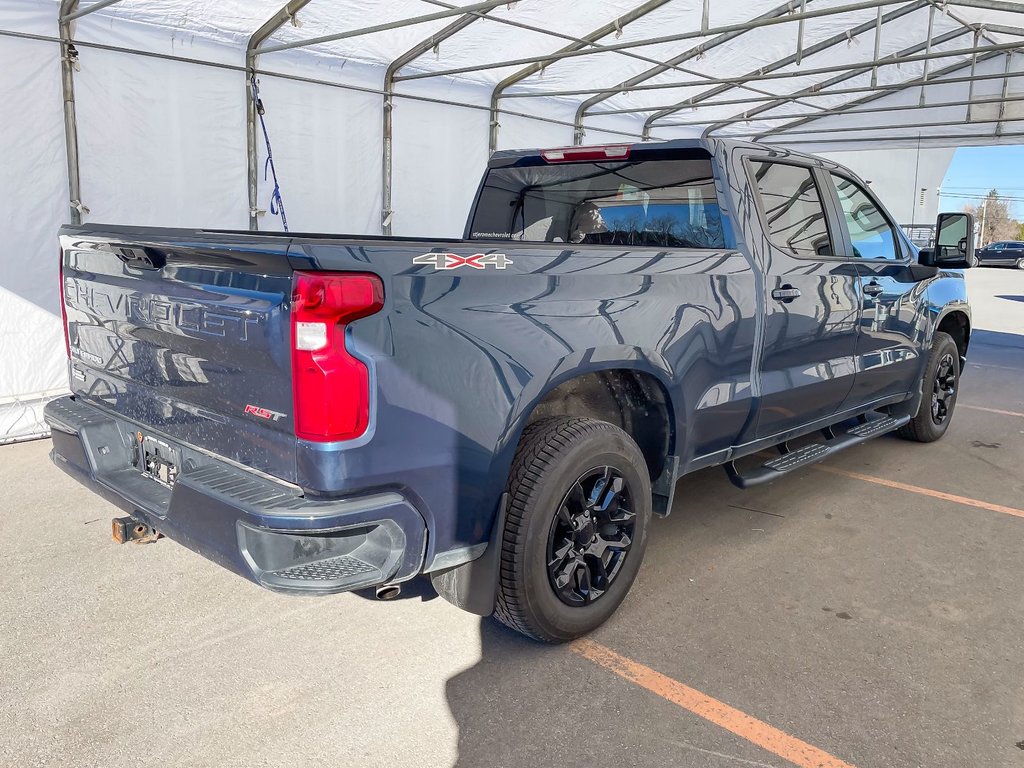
(665, 200)
(793, 208)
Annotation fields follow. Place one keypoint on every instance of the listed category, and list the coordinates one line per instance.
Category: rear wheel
(1020, 263)
(575, 530)
(940, 389)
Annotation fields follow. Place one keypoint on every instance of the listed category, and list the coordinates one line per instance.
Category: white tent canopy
(382, 113)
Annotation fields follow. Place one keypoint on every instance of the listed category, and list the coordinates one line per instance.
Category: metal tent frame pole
(892, 127)
(76, 13)
(698, 51)
(888, 141)
(821, 89)
(906, 54)
(252, 51)
(387, 122)
(904, 57)
(578, 45)
(406, 22)
(68, 56)
(598, 49)
(842, 111)
(68, 12)
(793, 11)
(935, 78)
(587, 41)
(770, 69)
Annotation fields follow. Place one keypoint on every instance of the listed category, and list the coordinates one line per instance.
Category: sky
(976, 170)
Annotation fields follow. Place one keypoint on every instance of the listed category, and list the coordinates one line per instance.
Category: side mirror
(954, 242)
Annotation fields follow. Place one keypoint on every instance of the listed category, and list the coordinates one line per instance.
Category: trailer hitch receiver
(126, 529)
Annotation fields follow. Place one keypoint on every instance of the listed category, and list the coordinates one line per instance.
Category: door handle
(873, 289)
(786, 294)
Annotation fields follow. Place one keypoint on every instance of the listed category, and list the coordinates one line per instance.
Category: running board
(791, 460)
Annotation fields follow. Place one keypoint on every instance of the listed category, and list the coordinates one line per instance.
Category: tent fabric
(163, 141)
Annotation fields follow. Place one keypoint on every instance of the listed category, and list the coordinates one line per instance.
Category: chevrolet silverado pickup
(505, 412)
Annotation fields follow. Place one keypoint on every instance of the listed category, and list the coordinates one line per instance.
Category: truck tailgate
(190, 339)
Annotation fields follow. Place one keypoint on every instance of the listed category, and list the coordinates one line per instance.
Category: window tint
(793, 208)
(665, 203)
(872, 235)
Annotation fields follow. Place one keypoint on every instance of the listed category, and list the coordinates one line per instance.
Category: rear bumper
(258, 528)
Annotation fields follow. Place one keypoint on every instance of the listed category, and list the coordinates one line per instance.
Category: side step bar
(791, 460)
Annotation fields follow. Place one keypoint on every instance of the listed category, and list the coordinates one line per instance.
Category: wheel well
(958, 326)
(634, 401)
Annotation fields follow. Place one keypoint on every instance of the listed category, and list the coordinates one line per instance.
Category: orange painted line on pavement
(923, 491)
(991, 410)
(767, 737)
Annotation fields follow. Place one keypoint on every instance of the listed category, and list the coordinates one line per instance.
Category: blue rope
(276, 201)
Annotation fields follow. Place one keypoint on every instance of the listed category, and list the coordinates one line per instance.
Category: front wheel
(940, 389)
(575, 530)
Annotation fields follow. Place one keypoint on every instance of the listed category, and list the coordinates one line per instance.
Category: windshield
(663, 203)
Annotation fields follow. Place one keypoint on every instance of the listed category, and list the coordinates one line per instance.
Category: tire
(555, 476)
(941, 376)
(1020, 263)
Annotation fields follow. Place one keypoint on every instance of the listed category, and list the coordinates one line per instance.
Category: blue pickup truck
(505, 412)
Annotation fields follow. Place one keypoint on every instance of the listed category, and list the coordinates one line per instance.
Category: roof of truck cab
(709, 145)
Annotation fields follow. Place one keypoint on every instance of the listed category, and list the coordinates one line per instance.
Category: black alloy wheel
(590, 536)
(575, 530)
(944, 389)
(939, 389)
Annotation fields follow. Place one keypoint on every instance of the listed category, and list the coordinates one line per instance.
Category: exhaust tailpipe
(388, 591)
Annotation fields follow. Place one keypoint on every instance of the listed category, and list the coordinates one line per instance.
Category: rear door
(893, 323)
(807, 365)
(1015, 252)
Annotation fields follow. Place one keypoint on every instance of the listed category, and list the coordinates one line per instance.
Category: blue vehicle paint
(460, 358)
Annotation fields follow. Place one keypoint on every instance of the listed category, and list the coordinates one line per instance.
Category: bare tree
(994, 220)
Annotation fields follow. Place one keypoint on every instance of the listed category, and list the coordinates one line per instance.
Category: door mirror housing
(954, 242)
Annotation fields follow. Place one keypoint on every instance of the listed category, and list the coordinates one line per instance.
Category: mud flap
(663, 490)
(473, 586)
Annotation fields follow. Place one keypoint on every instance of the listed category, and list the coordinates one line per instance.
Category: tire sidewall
(607, 447)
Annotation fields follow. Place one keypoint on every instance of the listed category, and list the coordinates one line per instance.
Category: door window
(794, 212)
(872, 235)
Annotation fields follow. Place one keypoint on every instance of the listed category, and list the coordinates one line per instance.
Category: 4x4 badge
(454, 260)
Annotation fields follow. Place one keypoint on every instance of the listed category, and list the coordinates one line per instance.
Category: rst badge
(454, 260)
(263, 413)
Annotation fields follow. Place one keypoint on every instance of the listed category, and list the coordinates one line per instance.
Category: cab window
(872, 235)
(793, 208)
(664, 203)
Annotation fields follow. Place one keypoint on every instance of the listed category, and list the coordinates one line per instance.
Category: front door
(807, 364)
(893, 322)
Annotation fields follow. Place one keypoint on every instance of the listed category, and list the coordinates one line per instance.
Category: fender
(473, 585)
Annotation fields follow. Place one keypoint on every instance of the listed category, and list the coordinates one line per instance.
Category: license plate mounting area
(157, 459)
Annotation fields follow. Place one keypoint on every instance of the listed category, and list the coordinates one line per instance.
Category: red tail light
(583, 154)
(63, 308)
(331, 387)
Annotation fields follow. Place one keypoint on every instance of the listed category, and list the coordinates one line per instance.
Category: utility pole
(984, 214)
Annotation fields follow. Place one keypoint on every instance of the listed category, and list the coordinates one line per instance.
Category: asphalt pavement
(867, 612)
